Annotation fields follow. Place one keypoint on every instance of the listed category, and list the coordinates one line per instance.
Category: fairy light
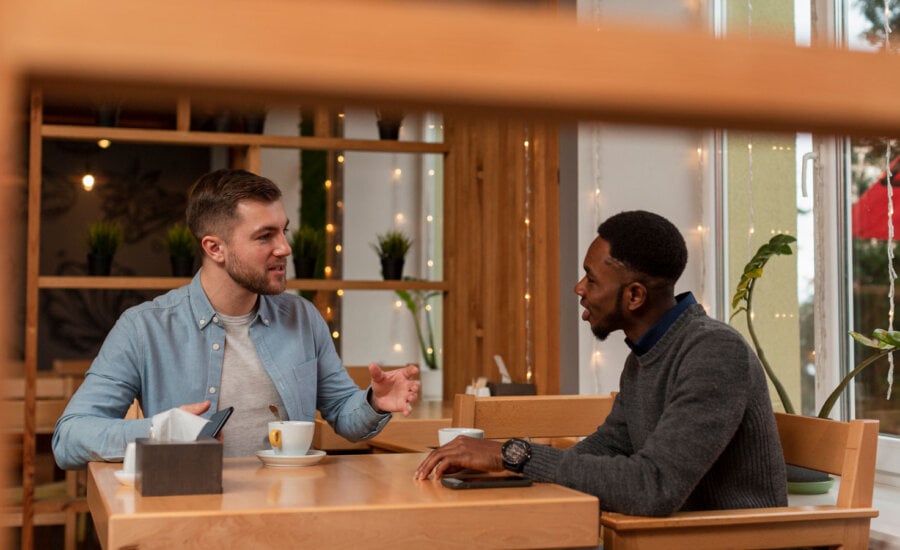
(427, 307)
(327, 184)
(529, 367)
(340, 159)
(328, 271)
(398, 347)
(329, 227)
(398, 304)
(429, 218)
(87, 181)
(338, 248)
(397, 173)
(430, 263)
(399, 218)
(890, 205)
(752, 213)
(335, 335)
(892, 275)
(340, 292)
(103, 143)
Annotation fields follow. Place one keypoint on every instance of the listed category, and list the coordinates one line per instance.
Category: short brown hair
(213, 200)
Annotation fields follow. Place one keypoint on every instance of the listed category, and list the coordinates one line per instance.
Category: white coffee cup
(128, 464)
(446, 435)
(291, 437)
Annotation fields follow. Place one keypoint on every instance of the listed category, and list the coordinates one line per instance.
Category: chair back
(846, 449)
(503, 417)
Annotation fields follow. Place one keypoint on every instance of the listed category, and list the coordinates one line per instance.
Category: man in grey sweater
(692, 427)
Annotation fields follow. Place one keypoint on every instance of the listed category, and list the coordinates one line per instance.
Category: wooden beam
(458, 56)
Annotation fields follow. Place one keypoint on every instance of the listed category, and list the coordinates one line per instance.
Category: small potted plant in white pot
(103, 239)
(182, 247)
(391, 249)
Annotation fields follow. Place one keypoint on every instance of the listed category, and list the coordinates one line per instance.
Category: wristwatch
(515, 453)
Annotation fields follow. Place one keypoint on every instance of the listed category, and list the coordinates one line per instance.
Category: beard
(255, 280)
(613, 321)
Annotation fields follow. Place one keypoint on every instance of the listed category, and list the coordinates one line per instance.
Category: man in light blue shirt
(231, 337)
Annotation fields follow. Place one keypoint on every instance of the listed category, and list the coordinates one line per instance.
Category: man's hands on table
(460, 454)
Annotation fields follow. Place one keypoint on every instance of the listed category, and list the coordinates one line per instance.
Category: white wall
(628, 168)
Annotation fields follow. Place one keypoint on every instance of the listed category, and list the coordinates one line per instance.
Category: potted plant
(391, 249)
(417, 302)
(742, 301)
(307, 245)
(182, 247)
(103, 239)
(389, 122)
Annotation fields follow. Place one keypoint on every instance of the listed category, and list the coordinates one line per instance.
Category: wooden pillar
(494, 258)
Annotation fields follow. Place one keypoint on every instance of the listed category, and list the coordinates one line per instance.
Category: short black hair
(646, 243)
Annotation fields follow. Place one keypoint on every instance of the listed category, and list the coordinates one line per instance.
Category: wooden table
(414, 433)
(344, 501)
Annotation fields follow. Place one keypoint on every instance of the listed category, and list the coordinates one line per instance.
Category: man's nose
(283, 248)
(579, 287)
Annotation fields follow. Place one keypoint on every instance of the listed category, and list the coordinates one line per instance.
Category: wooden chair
(553, 417)
(846, 449)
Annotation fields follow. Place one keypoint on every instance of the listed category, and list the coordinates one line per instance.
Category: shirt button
(216, 347)
(215, 320)
(212, 389)
(202, 322)
(266, 322)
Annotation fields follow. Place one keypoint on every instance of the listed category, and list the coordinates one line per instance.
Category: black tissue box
(513, 388)
(178, 468)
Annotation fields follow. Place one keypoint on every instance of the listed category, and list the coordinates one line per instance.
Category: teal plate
(810, 487)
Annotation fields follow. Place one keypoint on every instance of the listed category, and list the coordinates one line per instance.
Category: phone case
(485, 482)
(216, 422)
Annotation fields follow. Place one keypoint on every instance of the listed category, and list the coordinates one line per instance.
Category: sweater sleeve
(702, 400)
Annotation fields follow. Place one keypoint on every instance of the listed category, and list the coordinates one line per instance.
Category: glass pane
(866, 184)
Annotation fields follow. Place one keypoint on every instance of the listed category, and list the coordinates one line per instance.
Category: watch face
(516, 453)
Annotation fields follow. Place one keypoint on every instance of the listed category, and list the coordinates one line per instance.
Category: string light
(890, 204)
(338, 248)
(529, 352)
(340, 292)
(398, 304)
(327, 184)
(103, 143)
(398, 347)
(87, 181)
(335, 335)
(340, 159)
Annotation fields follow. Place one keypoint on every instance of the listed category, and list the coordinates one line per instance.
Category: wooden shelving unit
(35, 512)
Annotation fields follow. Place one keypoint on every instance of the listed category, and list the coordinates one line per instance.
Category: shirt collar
(204, 313)
(659, 329)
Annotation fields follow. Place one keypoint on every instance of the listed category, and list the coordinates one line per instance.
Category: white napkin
(176, 425)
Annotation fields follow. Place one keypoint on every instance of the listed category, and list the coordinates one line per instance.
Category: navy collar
(659, 329)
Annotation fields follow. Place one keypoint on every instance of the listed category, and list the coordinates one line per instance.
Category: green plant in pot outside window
(182, 247)
(103, 239)
(882, 340)
(391, 249)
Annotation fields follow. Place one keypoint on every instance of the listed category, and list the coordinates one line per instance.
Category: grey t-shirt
(247, 387)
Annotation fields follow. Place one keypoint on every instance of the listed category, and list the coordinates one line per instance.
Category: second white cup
(291, 437)
(446, 435)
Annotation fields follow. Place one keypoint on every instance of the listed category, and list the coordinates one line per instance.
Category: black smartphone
(216, 422)
(484, 482)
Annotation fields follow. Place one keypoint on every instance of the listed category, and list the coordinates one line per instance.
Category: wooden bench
(846, 449)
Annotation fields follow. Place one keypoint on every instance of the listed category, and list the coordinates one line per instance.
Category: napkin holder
(512, 388)
(178, 467)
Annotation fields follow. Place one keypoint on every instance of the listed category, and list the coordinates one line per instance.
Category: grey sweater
(691, 429)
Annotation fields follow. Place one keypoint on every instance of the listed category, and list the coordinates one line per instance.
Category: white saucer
(269, 458)
(124, 478)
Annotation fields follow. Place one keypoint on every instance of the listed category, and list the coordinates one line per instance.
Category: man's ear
(635, 296)
(213, 247)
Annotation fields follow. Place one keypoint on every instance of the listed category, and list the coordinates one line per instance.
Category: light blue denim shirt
(168, 352)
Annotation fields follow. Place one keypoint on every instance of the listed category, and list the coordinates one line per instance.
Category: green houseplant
(182, 247)
(103, 239)
(742, 302)
(391, 249)
(418, 304)
(800, 480)
(307, 245)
